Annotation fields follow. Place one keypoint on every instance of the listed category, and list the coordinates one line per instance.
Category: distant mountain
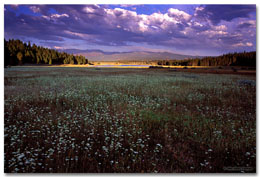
(99, 55)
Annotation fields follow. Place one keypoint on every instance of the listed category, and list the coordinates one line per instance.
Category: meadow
(106, 120)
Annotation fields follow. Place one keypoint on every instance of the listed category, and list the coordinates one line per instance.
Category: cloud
(128, 5)
(41, 9)
(57, 47)
(216, 13)
(89, 9)
(100, 25)
(181, 15)
(54, 17)
(35, 9)
(59, 16)
(240, 44)
(247, 24)
(14, 6)
(30, 26)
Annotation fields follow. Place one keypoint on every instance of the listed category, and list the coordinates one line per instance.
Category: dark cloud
(245, 25)
(31, 26)
(89, 20)
(233, 39)
(100, 25)
(216, 13)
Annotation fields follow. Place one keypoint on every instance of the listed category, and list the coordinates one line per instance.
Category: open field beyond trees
(66, 119)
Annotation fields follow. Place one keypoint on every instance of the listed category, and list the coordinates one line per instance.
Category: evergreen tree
(20, 57)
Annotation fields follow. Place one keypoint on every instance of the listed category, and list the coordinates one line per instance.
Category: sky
(184, 29)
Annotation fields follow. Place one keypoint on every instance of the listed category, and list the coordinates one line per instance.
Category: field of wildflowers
(80, 120)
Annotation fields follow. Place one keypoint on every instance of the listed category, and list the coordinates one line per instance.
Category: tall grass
(127, 120)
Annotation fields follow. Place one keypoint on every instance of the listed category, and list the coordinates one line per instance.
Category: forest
(17, 52)
(230, 59)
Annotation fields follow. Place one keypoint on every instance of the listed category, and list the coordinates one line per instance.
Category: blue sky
(184, 29)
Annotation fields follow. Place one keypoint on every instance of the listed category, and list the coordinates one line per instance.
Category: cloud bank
(220, 28)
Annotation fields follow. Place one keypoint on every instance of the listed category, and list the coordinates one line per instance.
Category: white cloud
(76, 34)
(249, 44)
(128, 5)
(46, 17)
(220, 28)
(59, 16)
(240, 44)
(124, 12)
(143, 27)
(198, 24)
(197, 10)
(55, 16)
(145, 23)
(57, 47)
(179, 14)
(213, 33)
(89, 10)
(35, 9)
(174, 27)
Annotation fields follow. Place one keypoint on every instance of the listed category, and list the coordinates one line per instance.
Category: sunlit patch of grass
(114, 120)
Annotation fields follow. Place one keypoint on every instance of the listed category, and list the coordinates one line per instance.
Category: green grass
(127, 120)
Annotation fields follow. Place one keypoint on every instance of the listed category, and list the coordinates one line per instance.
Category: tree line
(230, 59)
(17, 52)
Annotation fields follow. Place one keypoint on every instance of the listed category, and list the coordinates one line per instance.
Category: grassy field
(128, 120)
